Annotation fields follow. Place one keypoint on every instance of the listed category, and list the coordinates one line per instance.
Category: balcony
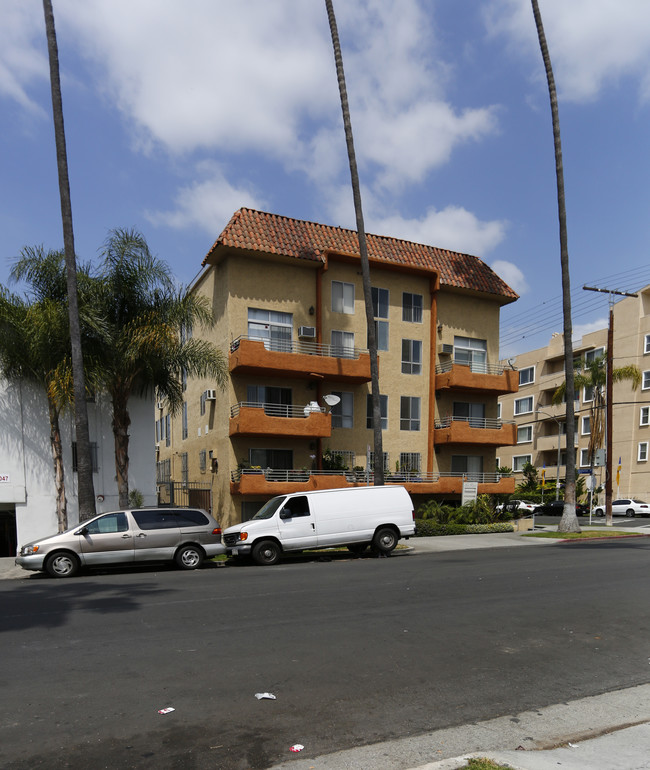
(478, 377)
(272, 482)
(277, 358)
(548, 443)
(264, 419)
(475, 430)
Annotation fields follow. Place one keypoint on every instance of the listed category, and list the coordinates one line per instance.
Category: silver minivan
(183, 535)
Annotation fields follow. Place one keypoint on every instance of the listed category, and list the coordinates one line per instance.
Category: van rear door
(297, 524)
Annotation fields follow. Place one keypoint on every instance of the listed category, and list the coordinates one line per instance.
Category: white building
(27, 492)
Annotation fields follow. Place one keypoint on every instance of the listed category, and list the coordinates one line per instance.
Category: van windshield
(268, 509)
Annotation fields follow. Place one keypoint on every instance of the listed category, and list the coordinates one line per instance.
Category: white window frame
(413, 405)
(585, 421)
(644, 416)
(412, 309)
(412, 364)
(342, 297)
(645, 382)
(642, 452)
(498, 410)
(646, 344)
(410, 460)
(528, 428)
(584, 458)
(585, 398)
(528, 411)
(527, 369)
(517, 465)
(592, 355)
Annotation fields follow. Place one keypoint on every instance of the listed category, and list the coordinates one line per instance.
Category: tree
(363, 249)
(592, 375)
(144, 348)
(84, 464)
(569, 520)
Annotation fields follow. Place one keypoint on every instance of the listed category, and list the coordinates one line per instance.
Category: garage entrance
(8, 531)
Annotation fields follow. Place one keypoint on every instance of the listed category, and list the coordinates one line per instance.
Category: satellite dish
(331, 400)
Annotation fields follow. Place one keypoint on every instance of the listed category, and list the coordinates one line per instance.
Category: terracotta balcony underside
(251, 357)
(259, 484)
(465, 433)
(252, 421)
(461, 377)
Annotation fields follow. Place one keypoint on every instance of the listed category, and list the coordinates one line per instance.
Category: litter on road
(297, 747)
(267, 695)
(168, 710)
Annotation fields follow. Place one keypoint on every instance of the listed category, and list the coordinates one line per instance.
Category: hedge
(429, 528)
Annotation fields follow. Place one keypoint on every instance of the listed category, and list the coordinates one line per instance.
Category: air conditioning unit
(307, 332)
(159, 405)
(447, 350)
(210, 395)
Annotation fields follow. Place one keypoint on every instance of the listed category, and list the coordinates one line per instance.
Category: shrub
(430, 528)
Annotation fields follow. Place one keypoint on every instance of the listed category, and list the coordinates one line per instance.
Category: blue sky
(177, 114)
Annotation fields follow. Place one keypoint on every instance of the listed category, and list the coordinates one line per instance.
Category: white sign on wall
(470, 491)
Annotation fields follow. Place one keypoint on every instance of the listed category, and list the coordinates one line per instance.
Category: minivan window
(269, 508)
(155, 519)
(190, 518)
(112, 522)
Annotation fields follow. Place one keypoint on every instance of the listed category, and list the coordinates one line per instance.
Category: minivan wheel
(384, 540)
(629, 513)
(62, 565)
(189, 557)
(266, 552)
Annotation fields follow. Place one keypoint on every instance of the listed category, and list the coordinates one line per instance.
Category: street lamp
(559, 434)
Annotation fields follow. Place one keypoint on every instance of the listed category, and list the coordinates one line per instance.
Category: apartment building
(541, 425)
(295, 415)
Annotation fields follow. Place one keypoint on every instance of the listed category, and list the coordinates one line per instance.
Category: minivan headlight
(28, 550)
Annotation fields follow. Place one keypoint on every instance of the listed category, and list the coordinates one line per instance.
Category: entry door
(106, 540)
(475, 413)
(298, 530)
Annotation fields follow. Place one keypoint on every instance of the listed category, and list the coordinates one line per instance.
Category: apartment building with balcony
(290, 315)
(541, 425)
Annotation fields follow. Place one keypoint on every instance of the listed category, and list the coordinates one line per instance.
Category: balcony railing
(304, 348)
(278, 410)
(473, 422)
(293, 475)
(475, 368)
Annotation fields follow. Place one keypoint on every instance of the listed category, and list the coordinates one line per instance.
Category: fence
(191, 494)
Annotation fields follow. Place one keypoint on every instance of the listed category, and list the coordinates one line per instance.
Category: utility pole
(609, 427)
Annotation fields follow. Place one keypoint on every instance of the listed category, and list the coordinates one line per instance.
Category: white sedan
(629, 508)
(522, 505)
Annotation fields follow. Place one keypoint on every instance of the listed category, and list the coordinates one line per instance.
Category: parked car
(521, 506)
(626, 507)
(556, 508)
(183, 535)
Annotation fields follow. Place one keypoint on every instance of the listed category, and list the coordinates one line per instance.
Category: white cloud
(593, 43)
(23, 52)
(206, 204)
(579, 330)
(511, 274)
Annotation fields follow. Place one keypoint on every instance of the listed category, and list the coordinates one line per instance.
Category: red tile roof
(273, 234)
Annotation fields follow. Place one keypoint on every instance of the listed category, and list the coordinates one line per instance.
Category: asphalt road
(356, 651)
(598, 522)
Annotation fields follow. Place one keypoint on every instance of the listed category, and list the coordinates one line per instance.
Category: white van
(355, 517)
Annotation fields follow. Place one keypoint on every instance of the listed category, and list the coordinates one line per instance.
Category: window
(524, 405)
(584, 458)
(271, 326)
(383, 406)
(276, 400)
(470, 466)
(160, 519)
(342, 297)
(372, 461)
(278, 459)
(409, 413)
(346, 457)
(343, 412)
(168, 430)
(586, 426)
(411, 357)
(498, 410)
(184, 425)
(163, 471)
(474, 413)
(94, 457)
(646, 345)
(184, 469)
(642, 457)
(202, 460)
(471, 352)
(527, 375)
(592, 355)
(645, 385)
(645, 415)
(588, 393)
(525, 434)
(112, 522)
(381, 335)
(380, 299)
(409, 462)
(412, 307)
(518, 462)
(343, 344)
(202, 403)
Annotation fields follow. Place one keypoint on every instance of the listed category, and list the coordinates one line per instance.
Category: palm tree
(84, 463)
(143, 349)
(363, 249)
(569, 520)
(592, 375)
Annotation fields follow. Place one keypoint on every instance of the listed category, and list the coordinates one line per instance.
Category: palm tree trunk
(569, 520)
(84, 463)
(121, 424)
(363, 250)
(57, 457)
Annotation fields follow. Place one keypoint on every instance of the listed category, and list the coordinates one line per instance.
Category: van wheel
(189, 557)
(266, 552)
(62, 565)
(357, 548)
(384, 540)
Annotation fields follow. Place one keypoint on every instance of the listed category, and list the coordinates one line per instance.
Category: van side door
(157, 534)
(297, 524)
